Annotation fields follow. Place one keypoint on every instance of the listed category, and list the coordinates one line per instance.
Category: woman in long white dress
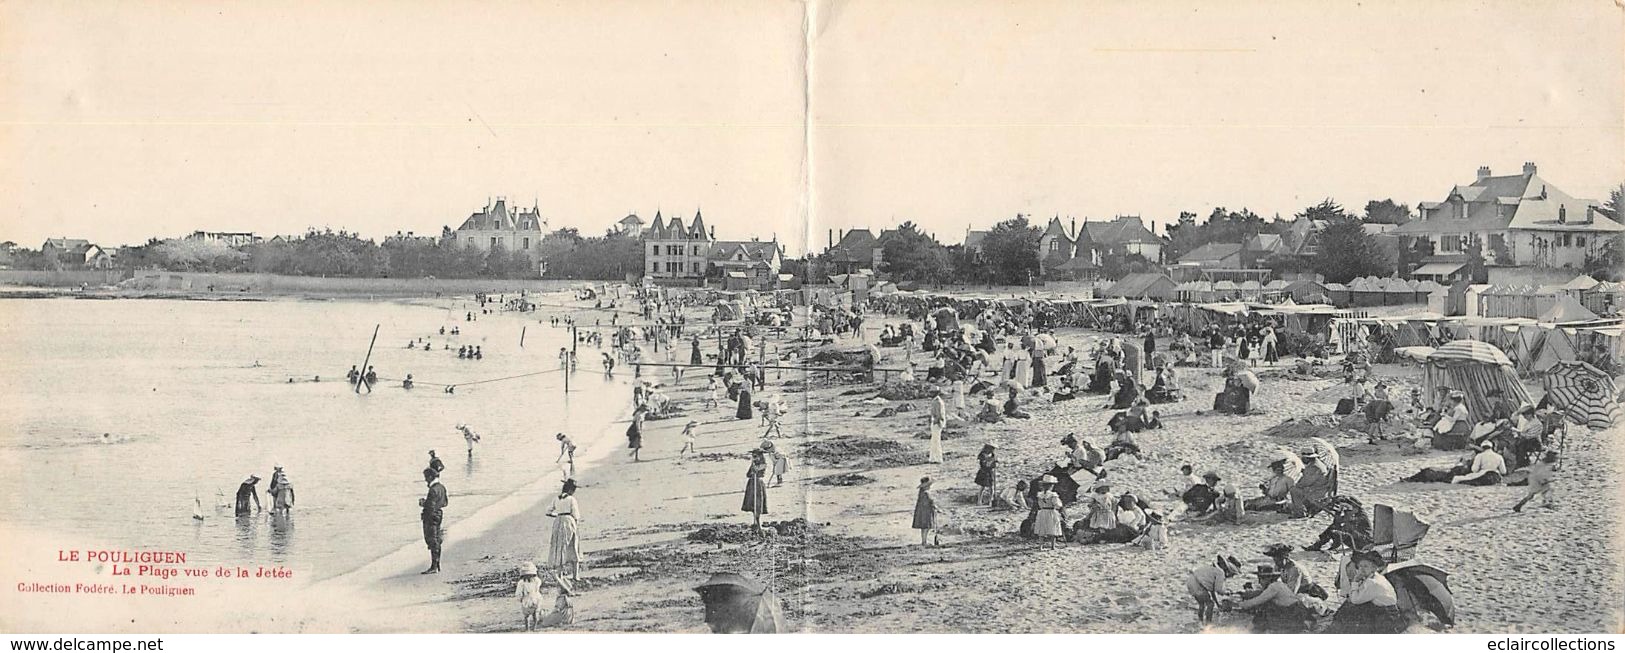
(564, 548)
(939, 418)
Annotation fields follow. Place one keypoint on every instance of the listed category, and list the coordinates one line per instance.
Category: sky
(121, 121)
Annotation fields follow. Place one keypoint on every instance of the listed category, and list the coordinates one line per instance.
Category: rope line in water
(416, 380)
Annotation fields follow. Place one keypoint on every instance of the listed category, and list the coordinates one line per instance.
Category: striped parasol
(1585, 393)
(1470, 351)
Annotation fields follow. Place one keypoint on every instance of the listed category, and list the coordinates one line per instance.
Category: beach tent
(1553, 348)
(1145, 285)
(1581, 283)
(735, 604)
(1566, 309)
(1585, 393)
(1474, 368)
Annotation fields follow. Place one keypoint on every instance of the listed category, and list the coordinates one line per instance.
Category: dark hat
(1368, 555)
(1211, 476)
(1278, 550)
(569, 485)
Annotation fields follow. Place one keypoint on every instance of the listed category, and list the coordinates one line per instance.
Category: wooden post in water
(571, 360)
(365, 361)
(522, 336)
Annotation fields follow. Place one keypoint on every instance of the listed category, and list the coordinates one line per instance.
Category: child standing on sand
(781, 465)
(688, 438)
(529, 591)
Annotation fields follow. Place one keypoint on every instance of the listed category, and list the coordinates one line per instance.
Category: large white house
(515, 230)
(1516, 220)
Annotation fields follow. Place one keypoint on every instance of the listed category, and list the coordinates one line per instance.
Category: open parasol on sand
(735, 604)
(1585, 393)
(1419, 586)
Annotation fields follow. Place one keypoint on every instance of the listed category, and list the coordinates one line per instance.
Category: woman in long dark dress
(745, 408)
(634, 433)
(925, 513)
(1038, 367)
(1128, 390)
(987, 464)
(694, 357)
(755, 487)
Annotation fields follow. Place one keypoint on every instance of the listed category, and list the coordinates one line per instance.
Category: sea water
(117, 417)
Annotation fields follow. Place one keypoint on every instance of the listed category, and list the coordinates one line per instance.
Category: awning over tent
(1437, 269)
(1419, 354)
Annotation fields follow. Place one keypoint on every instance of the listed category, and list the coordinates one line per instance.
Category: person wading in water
(246, 492)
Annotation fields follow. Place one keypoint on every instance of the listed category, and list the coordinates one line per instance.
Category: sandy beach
(842, 557)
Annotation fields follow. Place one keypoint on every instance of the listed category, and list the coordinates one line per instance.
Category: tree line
(1008, 253)
(563, 254)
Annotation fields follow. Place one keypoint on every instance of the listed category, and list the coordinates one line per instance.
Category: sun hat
(1046, 479)
(1212, 476)
(527, 569)
(1277, 550)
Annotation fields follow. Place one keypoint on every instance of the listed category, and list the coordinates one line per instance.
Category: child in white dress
(529, 592)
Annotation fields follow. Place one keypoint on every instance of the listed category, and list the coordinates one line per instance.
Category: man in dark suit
(434, 505)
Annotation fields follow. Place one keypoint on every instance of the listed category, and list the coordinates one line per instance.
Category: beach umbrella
(1328, 455)
(1294, 464)
(735, 604)
(1585, 393)
(1420, 587)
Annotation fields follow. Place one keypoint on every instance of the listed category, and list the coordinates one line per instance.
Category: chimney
(1562, 214)
(1074, 226)
(713, 233)
(831, 236)
(1483, 172)
(1589, 209)
(1528, 167)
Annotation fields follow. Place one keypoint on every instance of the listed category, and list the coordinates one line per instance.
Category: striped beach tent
(1474, 368)
(1585, 393)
